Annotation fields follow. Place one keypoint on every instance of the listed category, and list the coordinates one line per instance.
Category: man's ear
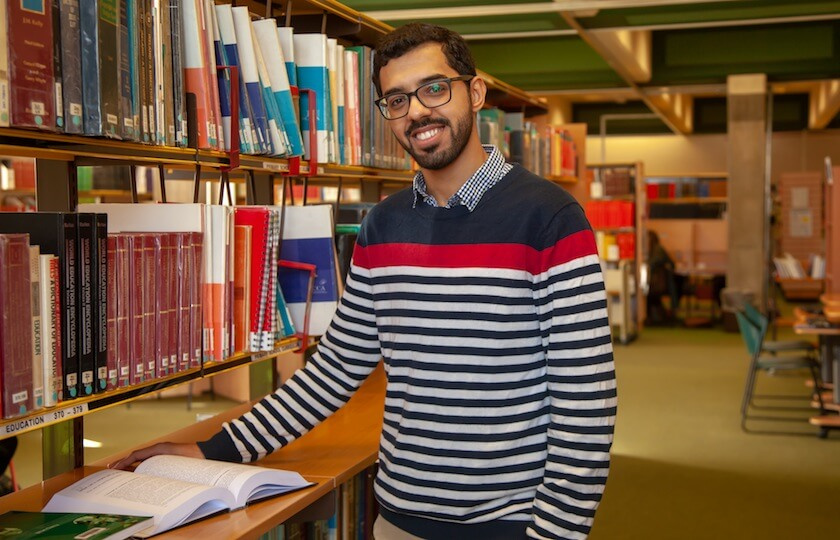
(478, 93)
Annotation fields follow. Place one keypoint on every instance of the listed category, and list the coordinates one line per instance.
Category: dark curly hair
(411, 36)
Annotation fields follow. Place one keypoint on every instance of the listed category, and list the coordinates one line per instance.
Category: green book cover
(60, 526)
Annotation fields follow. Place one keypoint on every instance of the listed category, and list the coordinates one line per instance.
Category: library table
(829, 337)
(330, 454)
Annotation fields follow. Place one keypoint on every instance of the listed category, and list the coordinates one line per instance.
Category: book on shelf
(38, 336)
(15, 326)
(194, 488)
(31, 53)
(50, 305)
(71, 526)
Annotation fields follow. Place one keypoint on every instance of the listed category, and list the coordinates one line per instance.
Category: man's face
(433, 137)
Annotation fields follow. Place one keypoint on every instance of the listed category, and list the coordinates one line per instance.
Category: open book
(174, 490)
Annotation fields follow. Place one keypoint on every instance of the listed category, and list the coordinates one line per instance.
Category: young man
(481, 288)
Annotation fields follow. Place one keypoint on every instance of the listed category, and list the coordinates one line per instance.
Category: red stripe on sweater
(503, 256)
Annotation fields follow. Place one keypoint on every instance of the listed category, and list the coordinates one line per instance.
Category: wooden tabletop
(337, 449)
(830, 299)
(811, 330)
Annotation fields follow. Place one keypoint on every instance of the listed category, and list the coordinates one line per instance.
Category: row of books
(616, 246)
(789, 267)
(550, 151)
(611, 182)
(611, 214)
(136, 69)
(200, 283)
(700, 188)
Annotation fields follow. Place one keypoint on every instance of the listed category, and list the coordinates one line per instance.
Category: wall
(681, 154)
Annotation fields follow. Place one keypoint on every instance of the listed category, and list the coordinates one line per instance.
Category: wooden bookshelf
(329, 455)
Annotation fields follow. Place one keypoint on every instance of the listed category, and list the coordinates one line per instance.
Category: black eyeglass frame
(380, 103)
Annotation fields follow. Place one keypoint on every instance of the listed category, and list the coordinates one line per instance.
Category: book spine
(69, 304)
(84, 309)
(196, 300)
(127, 128)
(125, 333)
(157, 54)
(38, 336)
(183, 246)
(4, 66)
(31, 64)
(136, 319)
(58, 93)
(177, 56)
(71, 66)
(16, 331)
(210, 75)
(113, 337)
(195, 81)
(168, 81)
(148, 285)
(161, 317)
(151, 94)
(139, 43)
(91, 94)
(134, 67)
(100, 301)
(51, 314)
(171, 300)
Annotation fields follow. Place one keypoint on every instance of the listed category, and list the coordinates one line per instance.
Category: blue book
(91, 96)
(248, 141)
(223, 81)
(312, 74)
(71, 67)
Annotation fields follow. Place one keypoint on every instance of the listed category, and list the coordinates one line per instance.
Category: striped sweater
(500, 399)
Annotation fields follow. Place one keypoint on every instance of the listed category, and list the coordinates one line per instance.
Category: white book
(37, 328)
(353, 120)
(50, 328)
(332, 71)
(174, 490)
(286, 35)
(249, 71)
(275, 121)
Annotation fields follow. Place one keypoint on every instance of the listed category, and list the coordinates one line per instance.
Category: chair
(771, 357)
(775, 346)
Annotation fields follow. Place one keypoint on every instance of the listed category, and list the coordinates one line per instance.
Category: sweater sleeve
(347, 353)
(572, 304)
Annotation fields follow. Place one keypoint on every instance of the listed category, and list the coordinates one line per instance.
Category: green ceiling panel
(591, 113)
(545, 63)
(706, 12)
(790, 113)
(501, 23)
(380, 5)
(781, 51)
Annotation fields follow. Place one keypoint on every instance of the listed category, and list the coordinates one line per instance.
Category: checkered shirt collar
(490, 172)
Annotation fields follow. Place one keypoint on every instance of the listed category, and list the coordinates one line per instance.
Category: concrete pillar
(748, 220)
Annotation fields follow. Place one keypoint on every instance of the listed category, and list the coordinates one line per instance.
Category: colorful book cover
(250, 75)
(312, 74)
(194, 64)
(31, 64)
(50, 327)
(248, 140)
(62, 526)
(308, 238)
(71, 66)
(267, 37)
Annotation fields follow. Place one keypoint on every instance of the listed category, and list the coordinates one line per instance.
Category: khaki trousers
(385, 530)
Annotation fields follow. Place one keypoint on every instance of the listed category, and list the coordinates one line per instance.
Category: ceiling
(668, 58)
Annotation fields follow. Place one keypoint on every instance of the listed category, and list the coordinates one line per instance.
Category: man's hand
(177, 449)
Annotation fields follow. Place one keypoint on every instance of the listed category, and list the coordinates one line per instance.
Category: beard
(435, 158)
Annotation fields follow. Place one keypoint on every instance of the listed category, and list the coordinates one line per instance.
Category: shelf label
(49, 417)
(272, 166)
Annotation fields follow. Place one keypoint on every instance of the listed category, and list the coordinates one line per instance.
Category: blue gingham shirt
(493, 170)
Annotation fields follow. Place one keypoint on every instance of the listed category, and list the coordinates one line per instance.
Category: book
(4, 68)
(99, 298)
(248, 141)
(58, 93)
(37, 328)
(312, 74)
(71, 66)
(127, 127)
(15, 325)
(51, 327)
(257, 218)
(241, 286)
(71, 526)
(308, 238)
(250, 75)
(91, 92)
(177, 48)
(194, 488)
(31, 64)
(84, 312)
(194, 74)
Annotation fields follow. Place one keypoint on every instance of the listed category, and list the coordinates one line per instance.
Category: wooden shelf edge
(74, 408)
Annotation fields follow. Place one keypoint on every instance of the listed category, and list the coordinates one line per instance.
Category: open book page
(170, 502)
(247, 483)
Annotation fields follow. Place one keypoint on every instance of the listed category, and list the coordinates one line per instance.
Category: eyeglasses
(432, 94)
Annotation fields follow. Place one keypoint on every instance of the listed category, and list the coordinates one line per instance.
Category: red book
(194, 275)
(258, 219)
(169, 332)
(136, 321)
(182, 247)
(31, 74)
(15, 325)
(55, 333)
(161, 316)
(113, 339)
(124, 321)
(149, 288)
(241, 286)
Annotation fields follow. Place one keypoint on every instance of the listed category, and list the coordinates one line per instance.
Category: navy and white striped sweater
(500, 398)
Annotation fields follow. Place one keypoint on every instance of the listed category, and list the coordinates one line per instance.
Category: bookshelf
(57, 157)
(616, 210)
